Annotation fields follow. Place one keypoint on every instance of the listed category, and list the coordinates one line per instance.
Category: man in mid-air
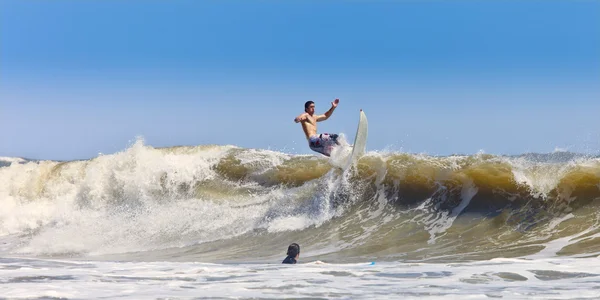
(324, 142)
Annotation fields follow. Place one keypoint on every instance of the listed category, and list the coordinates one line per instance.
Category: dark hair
(307, 104)
(293, 250)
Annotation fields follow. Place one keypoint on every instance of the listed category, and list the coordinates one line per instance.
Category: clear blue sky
(82, 77)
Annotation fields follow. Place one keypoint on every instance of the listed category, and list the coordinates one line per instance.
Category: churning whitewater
(229, 204)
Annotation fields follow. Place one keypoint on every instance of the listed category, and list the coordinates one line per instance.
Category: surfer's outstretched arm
(300, 118)
(326, 116)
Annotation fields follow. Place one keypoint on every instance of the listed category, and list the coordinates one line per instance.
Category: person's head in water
(309, 107)
(293, 253)
(294, 250)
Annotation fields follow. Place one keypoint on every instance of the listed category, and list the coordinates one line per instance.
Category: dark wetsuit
(289, 260)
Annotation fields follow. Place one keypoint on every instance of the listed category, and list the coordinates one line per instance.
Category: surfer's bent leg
(323, 143)
(334, 137)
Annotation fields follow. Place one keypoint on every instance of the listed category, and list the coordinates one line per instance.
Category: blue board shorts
(323, 143)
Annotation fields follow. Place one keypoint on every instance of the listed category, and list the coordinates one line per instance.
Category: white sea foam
(11, 159)
(558, 278)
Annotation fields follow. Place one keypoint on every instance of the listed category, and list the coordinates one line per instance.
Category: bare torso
(310, 126)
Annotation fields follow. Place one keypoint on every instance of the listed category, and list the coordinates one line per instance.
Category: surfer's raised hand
(335, 103)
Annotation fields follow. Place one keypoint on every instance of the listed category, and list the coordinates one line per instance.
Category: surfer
(324, 142)
(293, 254)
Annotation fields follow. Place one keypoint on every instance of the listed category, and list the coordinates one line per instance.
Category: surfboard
(360, 140)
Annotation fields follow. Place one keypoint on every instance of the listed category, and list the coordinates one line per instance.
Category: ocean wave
(186, 202)
(7, 161)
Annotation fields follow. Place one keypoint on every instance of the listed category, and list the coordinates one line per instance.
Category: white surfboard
(360, 140)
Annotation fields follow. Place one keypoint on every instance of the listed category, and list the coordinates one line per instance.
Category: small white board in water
(360, 141)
